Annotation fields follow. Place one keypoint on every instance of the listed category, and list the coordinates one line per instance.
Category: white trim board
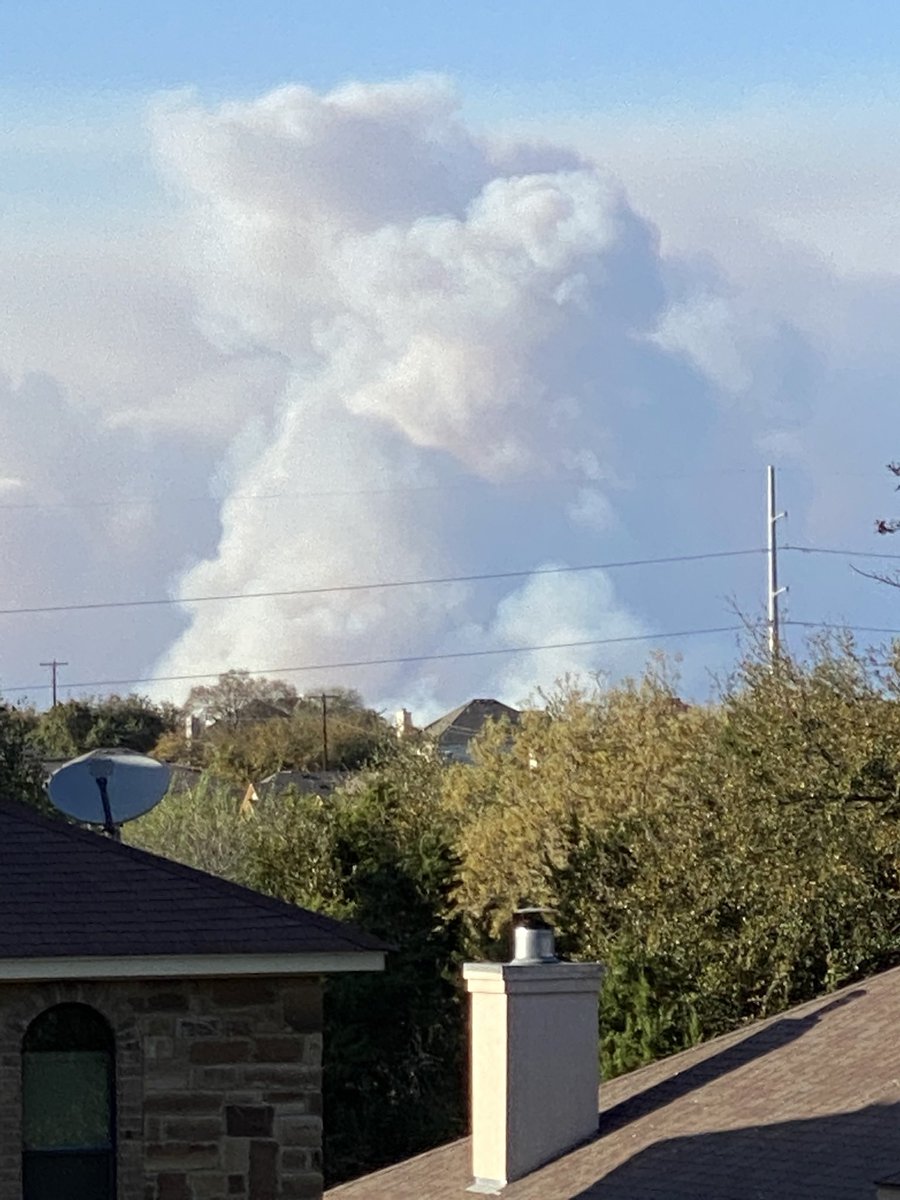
(187, 966)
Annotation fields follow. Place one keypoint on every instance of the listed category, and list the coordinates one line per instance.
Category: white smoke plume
(360, 341)
(455, 319)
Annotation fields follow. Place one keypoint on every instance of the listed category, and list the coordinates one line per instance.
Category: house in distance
(454, 732)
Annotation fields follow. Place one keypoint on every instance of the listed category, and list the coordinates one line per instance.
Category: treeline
(381, 853)
(239, 729)
(245, 728)
(29, 738)
(724, 860)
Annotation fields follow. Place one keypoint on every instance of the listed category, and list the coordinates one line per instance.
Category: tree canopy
(251, 728)
(76, 726)
(237, 697)
(723, 860)
(21, 777)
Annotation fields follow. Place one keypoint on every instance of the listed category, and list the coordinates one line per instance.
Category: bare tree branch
(890, 580)
(888, 525)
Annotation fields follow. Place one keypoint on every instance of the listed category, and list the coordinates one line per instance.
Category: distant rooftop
(318, 783)
(455, 730)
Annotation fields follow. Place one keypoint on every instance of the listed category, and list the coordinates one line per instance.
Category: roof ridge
(448, 717)
(184, 871)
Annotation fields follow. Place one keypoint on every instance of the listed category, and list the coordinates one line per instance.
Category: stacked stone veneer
(218, 1084)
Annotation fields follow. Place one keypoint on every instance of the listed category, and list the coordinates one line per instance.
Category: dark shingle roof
(68, 892)
(307, 783)
(468, 719)
(804, 1106)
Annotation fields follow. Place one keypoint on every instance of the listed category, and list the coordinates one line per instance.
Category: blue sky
(175, 344)
(575, 51)
(77, 77)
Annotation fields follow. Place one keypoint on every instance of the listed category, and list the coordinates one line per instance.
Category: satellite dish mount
(98, 770)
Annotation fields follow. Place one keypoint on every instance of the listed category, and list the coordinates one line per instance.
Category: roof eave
(182, 966)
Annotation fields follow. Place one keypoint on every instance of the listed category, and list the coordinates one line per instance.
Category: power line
(618, 484)
(168, 498)
(382, 662)
(457, 654)
(391, 583)
(845, 553)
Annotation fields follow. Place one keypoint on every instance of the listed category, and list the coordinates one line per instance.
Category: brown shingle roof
(804, 1106)
(67, 892)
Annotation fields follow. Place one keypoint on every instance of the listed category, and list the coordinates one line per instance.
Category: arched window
(68, 1106)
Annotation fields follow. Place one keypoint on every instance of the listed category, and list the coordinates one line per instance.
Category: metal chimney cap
(531, 917)
(533, 939)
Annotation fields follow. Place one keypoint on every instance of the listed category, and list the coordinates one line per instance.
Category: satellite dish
(108, 787)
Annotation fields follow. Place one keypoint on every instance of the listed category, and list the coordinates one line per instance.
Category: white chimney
(534, 1056)
(193, 726)
(404, 723)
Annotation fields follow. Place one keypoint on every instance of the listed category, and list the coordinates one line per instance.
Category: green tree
(253, 727)
(380, 855)
(200, 826)
(238, 697)
(76, 726)
(63, 730)
(134, 722)
(21, 776)
(250, 751)
(592, 753)
(724, 861)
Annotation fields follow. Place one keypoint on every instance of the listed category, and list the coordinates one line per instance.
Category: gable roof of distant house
(70, 894)
(469, 719)
(303, 783)
(804, 1105)
(308, 783)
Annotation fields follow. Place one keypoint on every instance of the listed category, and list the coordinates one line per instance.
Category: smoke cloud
(362, 341)
(454, 319)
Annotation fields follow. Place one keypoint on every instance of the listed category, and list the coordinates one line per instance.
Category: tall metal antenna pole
(773, 590)
(53, 665)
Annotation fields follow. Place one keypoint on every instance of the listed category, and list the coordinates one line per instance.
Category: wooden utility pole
(54, 665)
(325, 697)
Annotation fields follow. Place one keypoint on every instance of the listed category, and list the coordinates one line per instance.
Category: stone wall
(218, 1084)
